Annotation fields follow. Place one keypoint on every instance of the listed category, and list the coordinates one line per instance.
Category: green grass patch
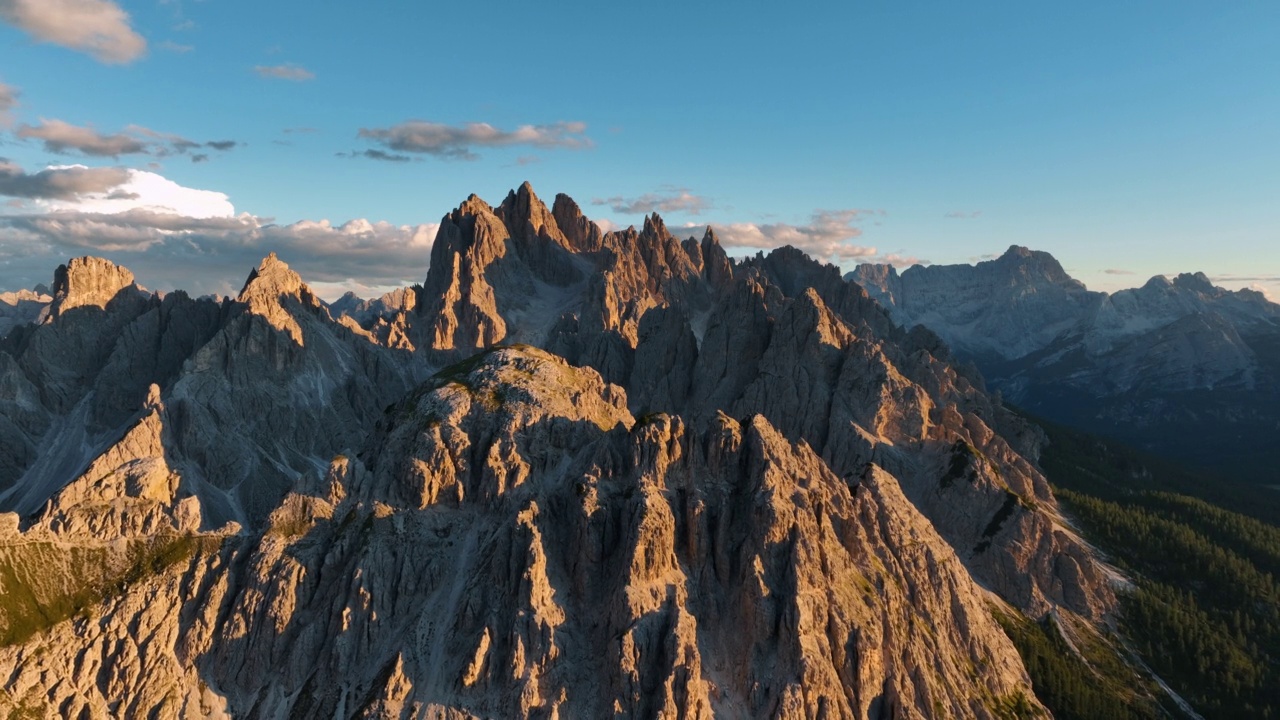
(43, 584)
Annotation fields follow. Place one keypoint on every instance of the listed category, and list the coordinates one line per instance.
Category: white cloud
(456, 142)
(177, 237)
(97, 27)
(66, 183)
(143, 190)
(61, 137)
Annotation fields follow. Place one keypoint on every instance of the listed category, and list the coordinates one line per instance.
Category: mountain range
(574, 473)
(1178, 367)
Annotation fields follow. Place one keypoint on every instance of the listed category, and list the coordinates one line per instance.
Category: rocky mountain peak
(1037, 265)
(1017, 251)
(1157, 282)
(271, 279)
(472, 207)
(1195, 282)
(655, 228)
(526, 216)
(88, 281)
(582, 234)
(271, 287)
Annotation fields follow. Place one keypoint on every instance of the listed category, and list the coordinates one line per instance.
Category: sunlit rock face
(1177, 366)
(574, 474)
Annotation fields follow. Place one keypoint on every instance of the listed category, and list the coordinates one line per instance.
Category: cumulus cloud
(174, 47)
(829, 235)
(177, 237)
(287, 71)
(97, 27)
(64, 138)
(679, 200)
(458, 142)
(59, 183)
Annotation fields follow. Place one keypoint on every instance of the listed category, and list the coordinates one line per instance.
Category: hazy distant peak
(1198, 281)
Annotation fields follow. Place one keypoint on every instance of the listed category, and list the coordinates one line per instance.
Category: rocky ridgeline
(575, 473)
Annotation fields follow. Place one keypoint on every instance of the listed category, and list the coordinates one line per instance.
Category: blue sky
(1136, 138)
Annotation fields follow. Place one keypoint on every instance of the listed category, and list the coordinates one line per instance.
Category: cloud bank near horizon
(174, 237)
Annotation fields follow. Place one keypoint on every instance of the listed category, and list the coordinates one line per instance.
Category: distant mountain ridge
(1180, 367)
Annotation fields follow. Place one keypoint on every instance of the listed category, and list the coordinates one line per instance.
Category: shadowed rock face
(639, 478)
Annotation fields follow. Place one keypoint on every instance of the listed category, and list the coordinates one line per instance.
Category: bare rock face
(583, 235)
(861, 402)
(275, 392)
(687, 331)
(460, 305)
(88, 281)
(254, 391)
(575, 563)
(129, 491)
